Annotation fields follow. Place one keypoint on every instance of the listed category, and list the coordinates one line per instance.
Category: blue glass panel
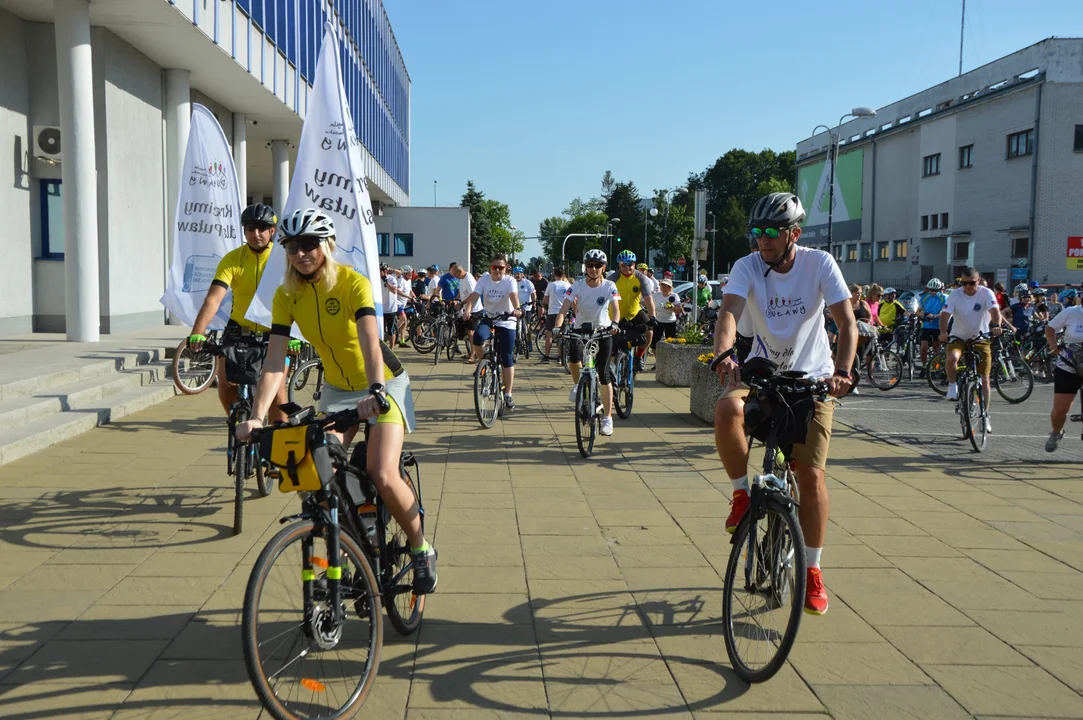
(246, 6)
(257, 13)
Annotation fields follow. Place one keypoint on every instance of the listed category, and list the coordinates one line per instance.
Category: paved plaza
(569, 588)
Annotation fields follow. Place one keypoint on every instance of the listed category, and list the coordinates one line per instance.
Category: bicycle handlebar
(789, 380)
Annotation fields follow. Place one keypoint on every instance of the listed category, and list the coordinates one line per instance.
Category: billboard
(812, 187)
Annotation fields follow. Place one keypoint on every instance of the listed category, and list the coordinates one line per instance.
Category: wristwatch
(845, 374)
(378, 390)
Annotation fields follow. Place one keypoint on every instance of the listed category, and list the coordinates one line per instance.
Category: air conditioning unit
(47, 143)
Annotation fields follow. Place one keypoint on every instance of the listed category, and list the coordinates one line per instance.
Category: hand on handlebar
(195, 342)
(996, 331)
(243, 432)
(613, 329)
(838, 386)
(368, 407)
(729, 372)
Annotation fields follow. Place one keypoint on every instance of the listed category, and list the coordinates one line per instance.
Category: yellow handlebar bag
(302, 456)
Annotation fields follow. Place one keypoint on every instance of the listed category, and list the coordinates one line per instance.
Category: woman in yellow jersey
(333, 306)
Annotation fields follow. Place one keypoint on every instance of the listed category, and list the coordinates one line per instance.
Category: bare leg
(729, 436)
(815, 504)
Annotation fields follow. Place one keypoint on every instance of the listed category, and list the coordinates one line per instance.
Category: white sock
(951, 385)
(812, 556)
(740, 483)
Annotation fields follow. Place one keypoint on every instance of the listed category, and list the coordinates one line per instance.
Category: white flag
(208, 220)
(329, 176)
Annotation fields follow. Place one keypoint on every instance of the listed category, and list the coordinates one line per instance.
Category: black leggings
(605, 349)
(662, 331)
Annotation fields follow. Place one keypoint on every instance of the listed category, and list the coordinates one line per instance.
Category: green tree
(481, 237)
(623, 204)
(537, 263)
(773, 185)
(551, 232)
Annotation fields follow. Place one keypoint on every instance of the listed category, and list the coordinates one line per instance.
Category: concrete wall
(441, 235)
(1060, 182)
(17, 185)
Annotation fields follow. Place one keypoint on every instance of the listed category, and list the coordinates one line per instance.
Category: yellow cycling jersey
(241, 270)
(889, 314)
(328, 320)
(631, 291)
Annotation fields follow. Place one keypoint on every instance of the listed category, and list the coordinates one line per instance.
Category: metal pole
(831, 186)
(646, 257)
(962, 26)
(714, 232)
(434, 193)
(695, 279)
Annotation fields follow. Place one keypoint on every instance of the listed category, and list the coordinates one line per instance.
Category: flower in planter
(706, 357)
(681, 341)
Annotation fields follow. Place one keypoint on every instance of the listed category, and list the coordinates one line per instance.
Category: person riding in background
(240, 271)
(892, 313)
(499, 295)
(930, 304)
(334, 306)
(636, 307)
(554, 297)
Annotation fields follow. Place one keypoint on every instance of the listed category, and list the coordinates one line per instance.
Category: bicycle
(244, 358)
(420, 327)
(306, 383)
(970, 407)
(489, 378)
(588, 408)
(443, 330)
(193, 372)
(622, 370)
(884, 367)
(1034, 351)
(1011, 376)
(524, 342)
(768, 547)
(905, 345)
(351, 554)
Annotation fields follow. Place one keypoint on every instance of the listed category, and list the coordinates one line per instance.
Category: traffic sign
(680, 261)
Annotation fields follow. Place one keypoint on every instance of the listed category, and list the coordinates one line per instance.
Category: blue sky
(534, 100)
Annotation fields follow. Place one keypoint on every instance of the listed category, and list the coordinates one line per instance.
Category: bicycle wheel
(539, 343)
(564, 355)
(885, 372)
(486, 394)
(302, 663)
(440, 340)
(623, 391)
(936, 373)
(404, 608)
(1013, 379)
(975, 410)
(192, 372)
(423, 339)
(452, 344)
(586, 420)
(962, 411)
(231, 444)
(306, 384)
(263, 479)
(764, 592)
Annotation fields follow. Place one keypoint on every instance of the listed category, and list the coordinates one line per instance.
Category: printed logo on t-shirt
(977, 307)
(635, 289)
(783, 306)
(600, 301)
(332, 306)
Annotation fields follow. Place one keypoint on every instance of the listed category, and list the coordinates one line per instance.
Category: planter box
(674, 362)
(705, 392)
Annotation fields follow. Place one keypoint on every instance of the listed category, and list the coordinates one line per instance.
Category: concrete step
(28, 379)
(77, 395)
(39, 434)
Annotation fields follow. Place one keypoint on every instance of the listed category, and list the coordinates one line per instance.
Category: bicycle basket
(303, 456)
(243, 363)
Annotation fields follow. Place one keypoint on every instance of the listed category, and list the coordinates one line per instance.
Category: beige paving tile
(572, 568)
(1048, 585)
(440, 642)
(877, 526)
(1065, 664)
(839, 625)
(476, 534)
(505, 609)
(555, 546)
(86, 701)
(106, 661)
(645, 537)
(908, 546)
(855, 664)
(558, 526)
(1018, 560)
(468, 714)
(1019, 691)
(72, 577)
(646, 579)
(1051, 629)
(851, 556)
(502, 686)
(479, 554)
(861, 702)
(911, 604)
(621, 683)
(39, 606)
(494, 579)
(952, 646)
(714, 686)
(192, 591)
(660, 556)
(193, 684)
(128, 622)
(633, 518)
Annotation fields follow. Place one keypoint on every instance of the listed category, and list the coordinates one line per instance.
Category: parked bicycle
(883, 367)
(489, 377)
(193, 372)
(444, 332)
(312, 643)
(588, 405)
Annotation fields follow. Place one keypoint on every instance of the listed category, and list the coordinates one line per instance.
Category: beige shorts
(812, 452)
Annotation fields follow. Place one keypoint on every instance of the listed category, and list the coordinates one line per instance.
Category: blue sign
(1019, 273)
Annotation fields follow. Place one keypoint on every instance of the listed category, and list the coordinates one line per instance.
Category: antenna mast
(962, 26)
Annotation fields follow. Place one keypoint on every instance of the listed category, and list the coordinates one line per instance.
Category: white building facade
(985, 169)
(95, 99)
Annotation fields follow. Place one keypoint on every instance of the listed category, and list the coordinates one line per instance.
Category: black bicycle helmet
(259, 214)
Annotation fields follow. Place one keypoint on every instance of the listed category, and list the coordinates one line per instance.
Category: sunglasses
(628, 265)
(498, 267)
(252, 227)
(307, 245)
(968, 283)
(770, 232)
(595, 266)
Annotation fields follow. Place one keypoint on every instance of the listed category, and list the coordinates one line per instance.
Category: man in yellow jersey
(636, 301)
(240, 270)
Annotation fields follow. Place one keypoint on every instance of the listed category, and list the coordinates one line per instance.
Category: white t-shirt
(525, 288)
(496, 296)
(744, 325)
(970, 313)
(665, 314)
(594, 302)
(432, 289)
(787, 309)
(654, 288)
(555, 293)
(389, 297)
(404, 286)
(466, 286)
(1070, 320)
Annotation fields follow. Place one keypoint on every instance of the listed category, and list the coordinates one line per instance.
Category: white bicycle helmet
(890, 291)
(1020, 289)
(1038, 292)
(935, 285)
(780, 209)
(407, 269)
(309, 222)
(595, 255)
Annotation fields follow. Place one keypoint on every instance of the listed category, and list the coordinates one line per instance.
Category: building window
(866, 252)
(404, 244)
(965, 155)
(930, 165)
(943, 220)
(962, 250)
(1020, 247)
(1021, 143)
(1078, 138)
(883, 251)
(934, 221)
(383, 242)
(924, 222)
(851, 253)
(52, 220)
(837, 252)
(900, 249)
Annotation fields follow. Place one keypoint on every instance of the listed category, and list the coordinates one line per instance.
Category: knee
(383, 476)
(729, 412)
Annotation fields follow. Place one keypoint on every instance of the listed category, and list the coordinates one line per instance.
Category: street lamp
(654, 213)
(609, 233)
(665, 224)
(434, 193)
(714, 234)
(565, 244)
(857, 112)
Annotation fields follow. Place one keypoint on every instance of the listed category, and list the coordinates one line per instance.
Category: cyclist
(892, 313)
(390, 289)
(240, 271)
(432, 288)
(784, 287)
(1042, 311)
(499, 295)
(527, 294)
(449, 284)
(930, 305)
(1068, 375)
(333, 305)
(540, 282)
(464, 325)
(420, 286)
(703, 292)
(669, 308)
(974, 311)
(554, 297)
(1021, 313)
(598, 301)
(636, 303)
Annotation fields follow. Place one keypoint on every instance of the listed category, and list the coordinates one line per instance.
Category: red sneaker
(815, 594)
(738, 508)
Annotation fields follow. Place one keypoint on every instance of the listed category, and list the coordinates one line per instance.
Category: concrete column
(178, 121)
(280, 174)
(78, 170)
(240, 155)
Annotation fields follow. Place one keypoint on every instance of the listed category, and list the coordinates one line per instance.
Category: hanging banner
(328, 175)
(208, 220)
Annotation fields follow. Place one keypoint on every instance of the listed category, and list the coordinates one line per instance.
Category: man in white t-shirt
(498, 294)
(784, 288)
(976, 313)
(528, 296)
(553, 298)
(467, 283)
(1067, 379)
